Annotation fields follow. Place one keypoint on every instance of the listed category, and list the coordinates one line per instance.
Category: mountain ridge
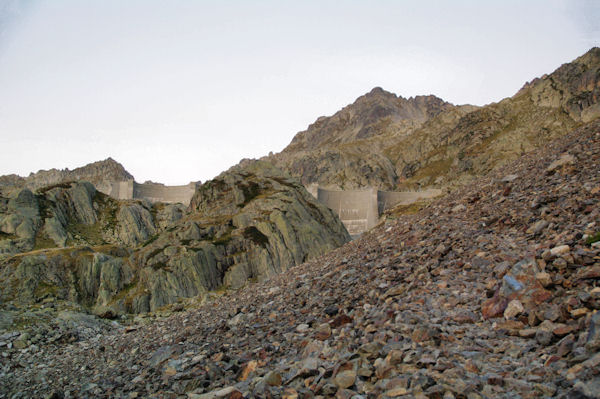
(448, 144)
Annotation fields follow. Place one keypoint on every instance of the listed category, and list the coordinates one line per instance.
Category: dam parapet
(153, 192)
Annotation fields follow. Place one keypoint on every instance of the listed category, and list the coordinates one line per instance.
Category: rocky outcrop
(245, 225)
(80, 275)
(574, 87)
(392, 143)
(71, 214)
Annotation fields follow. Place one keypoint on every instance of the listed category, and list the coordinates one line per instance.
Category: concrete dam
(153, 192)
(360, 210)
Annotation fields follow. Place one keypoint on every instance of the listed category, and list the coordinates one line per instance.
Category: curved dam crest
(153, 192)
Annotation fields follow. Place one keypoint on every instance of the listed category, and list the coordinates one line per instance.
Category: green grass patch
(411, 209)
(223, 239)
(43, 242)
(44, 289)
(155, 252)
(90, 233)
(593, 238)
(160, 266)
(432, 170)
(107, 210)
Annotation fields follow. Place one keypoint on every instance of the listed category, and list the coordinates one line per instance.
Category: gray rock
(543, 337)
(593, 339)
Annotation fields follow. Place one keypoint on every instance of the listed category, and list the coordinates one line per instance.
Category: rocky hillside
(491, 292)
(71, 214)
(394, 143)
(101, 174)
(116, 257)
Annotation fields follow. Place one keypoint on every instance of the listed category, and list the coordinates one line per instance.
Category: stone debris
(440, 304)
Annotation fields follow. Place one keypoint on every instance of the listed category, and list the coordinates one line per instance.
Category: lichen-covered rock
(21, 215)
(75, 213)
(245, 225)
(136, 224)
(80, 275)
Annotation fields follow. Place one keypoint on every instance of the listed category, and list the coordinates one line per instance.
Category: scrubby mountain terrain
(72, 243)
(490, 292)
(390, 142)
(101, 174)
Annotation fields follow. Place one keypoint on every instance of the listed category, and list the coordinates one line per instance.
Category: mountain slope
(489, 292)
(388, 142)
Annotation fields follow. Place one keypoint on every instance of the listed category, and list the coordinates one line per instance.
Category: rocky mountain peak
(101, 173)
(378, 112)
(573, 87)
(378, 92)
(109, 165)
(391, 142)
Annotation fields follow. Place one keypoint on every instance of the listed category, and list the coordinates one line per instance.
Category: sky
(178, 91)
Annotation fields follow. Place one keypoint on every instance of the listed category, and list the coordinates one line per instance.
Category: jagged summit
(372, 114)
(108, 166)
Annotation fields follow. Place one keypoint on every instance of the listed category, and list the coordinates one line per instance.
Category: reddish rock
(494, 307)
(565, 330)
(340, 320)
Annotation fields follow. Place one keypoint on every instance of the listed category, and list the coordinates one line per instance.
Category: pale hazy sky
(181, 90)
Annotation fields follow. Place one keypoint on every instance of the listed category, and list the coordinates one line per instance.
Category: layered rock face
(393, 143)
(245, 225)
(71, 214)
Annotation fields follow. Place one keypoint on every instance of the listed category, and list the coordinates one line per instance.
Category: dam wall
(153, 192)
(357, 209)
(360, 210)
(121, 190)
